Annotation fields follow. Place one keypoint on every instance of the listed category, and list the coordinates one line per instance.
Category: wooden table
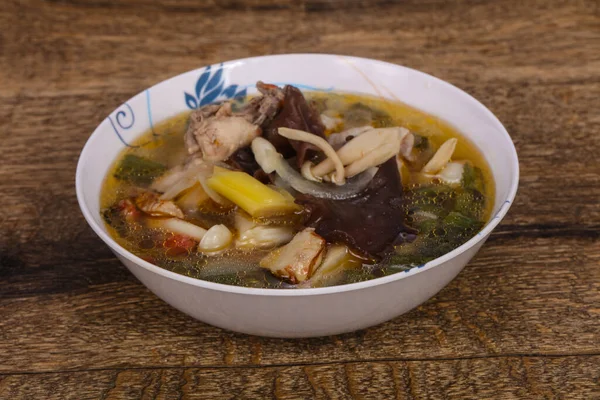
(522, 321)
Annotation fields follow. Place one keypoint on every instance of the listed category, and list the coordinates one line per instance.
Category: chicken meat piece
(217, 133)
(297, 260)
(151, 204)
(263, 108)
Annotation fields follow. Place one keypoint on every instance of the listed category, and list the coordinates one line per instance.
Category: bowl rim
(480, 236)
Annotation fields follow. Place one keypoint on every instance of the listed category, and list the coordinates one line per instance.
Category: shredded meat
(149, 203)
(262, 109)
(216, 132)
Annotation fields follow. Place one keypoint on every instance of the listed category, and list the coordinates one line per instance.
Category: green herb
(437, 236)
(472, 178)
(358, 275)
(424, 225)
(421, 142)
(113, 218)
(429, 208)
(138, 170)
(432, 190)
(360, 114)
(382, 120)
(401, 262)
(319, 104)
(469, 202)
(436, 195)
(458, 222)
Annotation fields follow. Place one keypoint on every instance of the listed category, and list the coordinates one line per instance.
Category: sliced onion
(169, 178)
(271, 161)
(179, 187)
(265, 154)
(280, 183)
(407, 142)
(182, 177)
(330, 122)
(193, 198)
(216, 197)
(202, 171)
(178, 226)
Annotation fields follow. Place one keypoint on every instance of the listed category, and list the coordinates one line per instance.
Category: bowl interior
(308, 72)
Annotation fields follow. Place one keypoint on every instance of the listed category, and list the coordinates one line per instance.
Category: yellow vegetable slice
(251, 195)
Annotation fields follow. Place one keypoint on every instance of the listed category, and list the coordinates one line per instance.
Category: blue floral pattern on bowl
(210, 87)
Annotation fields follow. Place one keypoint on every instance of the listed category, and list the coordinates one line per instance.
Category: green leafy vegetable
(434, 198)
(469, 202)
(461, 224)
(138, 170)
(425, 225)
(358, 275)
(360, 114)
(112, 218)
(254, 279)
(421, 142)
(472, 178)
(432, 191)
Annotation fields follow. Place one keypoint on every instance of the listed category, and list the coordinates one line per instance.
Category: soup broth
(440, 209)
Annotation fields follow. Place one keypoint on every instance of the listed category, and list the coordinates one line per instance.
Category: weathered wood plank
(77, 320)
(82, 46)
(505, 377)
(510, 300)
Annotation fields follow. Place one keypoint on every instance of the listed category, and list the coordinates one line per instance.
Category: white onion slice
(179, 187)
(216, 197)
(271, 161)
(178, 226)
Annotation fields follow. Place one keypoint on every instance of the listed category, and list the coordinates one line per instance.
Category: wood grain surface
(522, 321)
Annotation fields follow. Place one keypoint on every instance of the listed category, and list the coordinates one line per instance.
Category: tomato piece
(128, 210)
(150, 259)
(178, 244)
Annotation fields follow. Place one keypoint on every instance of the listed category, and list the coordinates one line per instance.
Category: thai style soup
(297, 190)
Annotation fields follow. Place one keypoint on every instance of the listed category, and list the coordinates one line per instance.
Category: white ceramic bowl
(301, 312)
